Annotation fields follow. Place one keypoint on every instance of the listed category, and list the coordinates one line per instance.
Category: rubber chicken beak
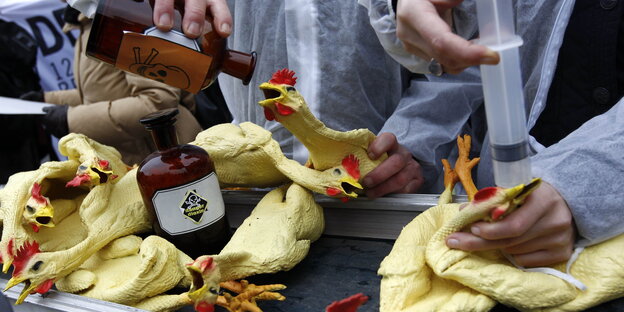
(349, 185)
(513, 192)
(196, 294)
(514, 197)
(12, 282)
(273, 93)
(96, 173)
(43, 216)
(95, 178)
(195, 272)
(6, 266)
(204, 292)
(518, 193)
(25, 292)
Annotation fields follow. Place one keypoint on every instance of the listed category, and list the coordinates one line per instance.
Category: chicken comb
(36, 194)
(484, 194)
(206, 264)
(352, 165)
(104, 164)
(24, 254)
(284, 76)
(349, 304)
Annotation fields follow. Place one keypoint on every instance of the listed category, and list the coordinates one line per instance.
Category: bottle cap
(164, 117)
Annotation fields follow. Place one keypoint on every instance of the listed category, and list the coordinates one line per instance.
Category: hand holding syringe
(425, 30)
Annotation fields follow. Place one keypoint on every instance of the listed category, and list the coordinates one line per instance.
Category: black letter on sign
(58, 40)
(58, 14)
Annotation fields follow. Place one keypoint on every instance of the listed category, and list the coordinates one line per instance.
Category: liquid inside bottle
(181, 190)
(123, 34)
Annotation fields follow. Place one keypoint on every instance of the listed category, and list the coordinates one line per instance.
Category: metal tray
(382, 218)
(56, 301)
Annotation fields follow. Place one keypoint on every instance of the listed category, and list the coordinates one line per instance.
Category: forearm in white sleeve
(587, 168)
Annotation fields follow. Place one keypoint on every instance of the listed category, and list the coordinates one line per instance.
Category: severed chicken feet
(462, 172)
(245, 301)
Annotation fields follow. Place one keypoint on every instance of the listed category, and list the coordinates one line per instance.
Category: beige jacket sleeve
(110, 122)
(63, 97)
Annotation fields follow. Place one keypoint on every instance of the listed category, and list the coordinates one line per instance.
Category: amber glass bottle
(123, 34)
(180, 189)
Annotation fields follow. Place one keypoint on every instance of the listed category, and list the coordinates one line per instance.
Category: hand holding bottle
(194, 16)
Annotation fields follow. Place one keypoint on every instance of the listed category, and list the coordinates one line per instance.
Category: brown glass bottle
(180, 189)
(119, 37)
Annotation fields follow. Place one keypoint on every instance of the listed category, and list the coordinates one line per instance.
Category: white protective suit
(346, 77)
(586, 167)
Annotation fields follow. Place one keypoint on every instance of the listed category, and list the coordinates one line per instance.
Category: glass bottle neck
(164, 137)
(240, 65)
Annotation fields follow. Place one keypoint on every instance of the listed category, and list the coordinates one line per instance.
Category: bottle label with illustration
(167, 59)
(190, 207)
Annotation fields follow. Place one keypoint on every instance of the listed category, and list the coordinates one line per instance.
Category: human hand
(424, 27)
(55, 120)
(36, 96)
(194, 16)
(399, 173)
(541, 232)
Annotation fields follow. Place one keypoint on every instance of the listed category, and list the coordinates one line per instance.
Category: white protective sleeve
(383, 19)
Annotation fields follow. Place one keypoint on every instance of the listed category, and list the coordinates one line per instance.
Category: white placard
(11, 106)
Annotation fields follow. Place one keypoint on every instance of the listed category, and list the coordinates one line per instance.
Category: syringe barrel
(506, 119)
(504, 99)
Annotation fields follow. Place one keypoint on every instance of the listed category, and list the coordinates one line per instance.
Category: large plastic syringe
(504, 100)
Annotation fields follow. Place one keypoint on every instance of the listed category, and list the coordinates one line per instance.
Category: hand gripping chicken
(327, 147)
(422, 274)
(85, 219)
(247, 156)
